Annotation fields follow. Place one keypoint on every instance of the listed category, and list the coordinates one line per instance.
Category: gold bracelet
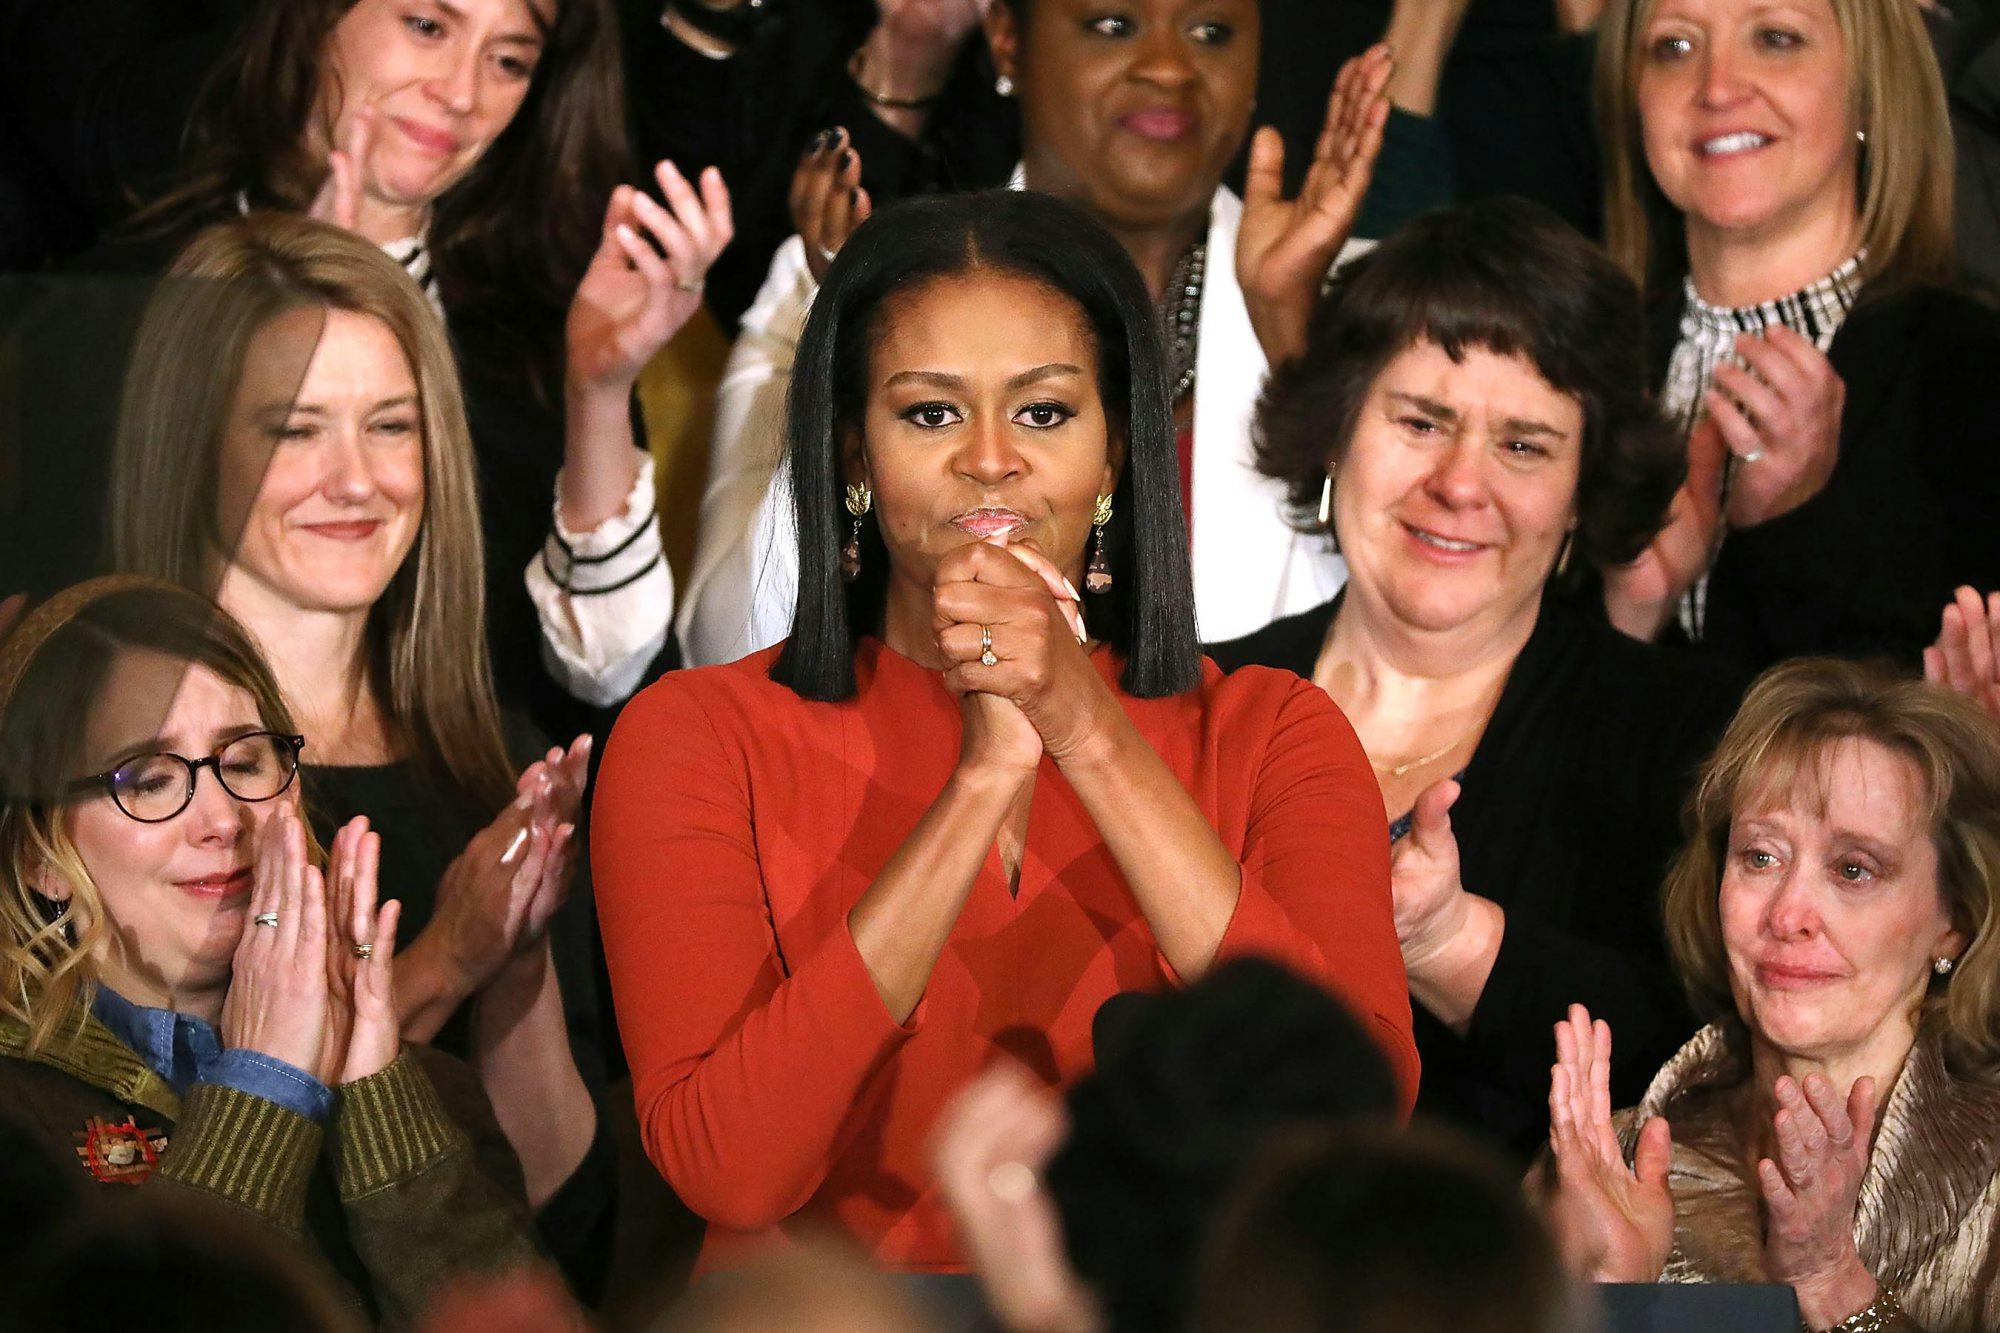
(854, 68)
(1878, 1316)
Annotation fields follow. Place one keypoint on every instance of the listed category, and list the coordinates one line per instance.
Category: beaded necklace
(1180, 318)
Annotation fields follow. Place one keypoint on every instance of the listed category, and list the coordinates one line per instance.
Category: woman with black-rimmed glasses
(188, 1000)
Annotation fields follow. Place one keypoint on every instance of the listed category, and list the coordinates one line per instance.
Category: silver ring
(364, 951)
(1750, 457)
(986, 657)
(1012, 1181)
(266, 918)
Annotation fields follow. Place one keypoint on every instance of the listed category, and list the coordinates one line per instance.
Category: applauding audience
(1836, 392)
(185, 997)
(1133, 118)
(1837, 1127)
(294, 439)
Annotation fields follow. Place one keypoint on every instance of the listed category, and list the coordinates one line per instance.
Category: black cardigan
(1569, 816)
(1912, 510)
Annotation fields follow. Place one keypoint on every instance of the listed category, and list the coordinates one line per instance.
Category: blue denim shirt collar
(186, 1050)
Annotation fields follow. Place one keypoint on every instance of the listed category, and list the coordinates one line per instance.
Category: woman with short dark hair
(966, 802)
(1469, 420)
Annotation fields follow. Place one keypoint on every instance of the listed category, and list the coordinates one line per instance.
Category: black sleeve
(1649, 735)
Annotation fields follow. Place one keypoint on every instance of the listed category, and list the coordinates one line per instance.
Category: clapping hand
(827, 200)
(1614, 1223)
(1966, 656)
(631, 300)
(1431, 901)
(277, 1001)
(1810, 1192)
(1285, 248)
(361, 948)
(987, 1154)
(1781, 418)
(1640, 597)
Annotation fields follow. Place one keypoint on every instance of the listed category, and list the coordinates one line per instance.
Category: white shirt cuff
(605, 597)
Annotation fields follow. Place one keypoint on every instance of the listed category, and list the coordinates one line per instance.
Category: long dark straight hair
(1148, 613)
(519, 228)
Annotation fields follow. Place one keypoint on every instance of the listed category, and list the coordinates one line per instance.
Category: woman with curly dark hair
(1470, 420)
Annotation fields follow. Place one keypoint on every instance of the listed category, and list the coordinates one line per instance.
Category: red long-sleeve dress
(736, 825)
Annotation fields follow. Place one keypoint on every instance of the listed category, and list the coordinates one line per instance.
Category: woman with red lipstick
(1467, 421)
(1836, 913)
(293, 438)
(1779, 179)
(187, 1002)
(988, 782)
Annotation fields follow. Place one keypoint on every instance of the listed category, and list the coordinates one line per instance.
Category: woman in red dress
(964, 803)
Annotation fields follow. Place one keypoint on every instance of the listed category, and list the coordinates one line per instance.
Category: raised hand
(1781, 418)
(497, 896)
(1613, 1223)
(360, 999)
(277, 1001)
(1639, 598)
(1966, 656)
(339, 197)
(988, 1153)
(1810, 1192)
(1285, 247)
(827, 200)
(988, 594)
(631, 300)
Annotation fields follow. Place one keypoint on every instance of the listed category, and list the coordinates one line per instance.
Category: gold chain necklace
(1398, 770)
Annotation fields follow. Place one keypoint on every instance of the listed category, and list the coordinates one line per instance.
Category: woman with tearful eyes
(1467, 421)
(1779, 179)
(1836, 1127)
(963, 804)
(293, 439)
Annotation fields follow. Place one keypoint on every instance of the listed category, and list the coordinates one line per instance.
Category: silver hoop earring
(1004, 85)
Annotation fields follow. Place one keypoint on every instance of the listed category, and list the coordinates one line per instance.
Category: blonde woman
(292, 437)
(1780, 180)
(186, 1001)
(1837, 1127)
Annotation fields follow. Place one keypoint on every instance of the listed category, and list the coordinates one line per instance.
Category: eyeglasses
(154, 788)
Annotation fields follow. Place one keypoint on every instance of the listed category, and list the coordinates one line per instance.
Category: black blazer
(1569, 817)
(1912, 510)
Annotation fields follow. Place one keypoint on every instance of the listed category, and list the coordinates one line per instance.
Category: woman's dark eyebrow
(944, 380)
(1043, 372)
(163, 745)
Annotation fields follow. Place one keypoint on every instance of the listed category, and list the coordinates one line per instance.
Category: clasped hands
(311, 979)
(1615, 1223)
(1041, 695)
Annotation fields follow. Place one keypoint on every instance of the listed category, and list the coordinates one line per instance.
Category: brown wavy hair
(522, 223)
(1790, 720)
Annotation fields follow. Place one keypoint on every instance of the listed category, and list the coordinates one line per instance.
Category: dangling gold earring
(1562, 560)
(859, 501)
(1097, 574)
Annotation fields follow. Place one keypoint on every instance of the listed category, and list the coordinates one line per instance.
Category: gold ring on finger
(986, 657)
(364, 951)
